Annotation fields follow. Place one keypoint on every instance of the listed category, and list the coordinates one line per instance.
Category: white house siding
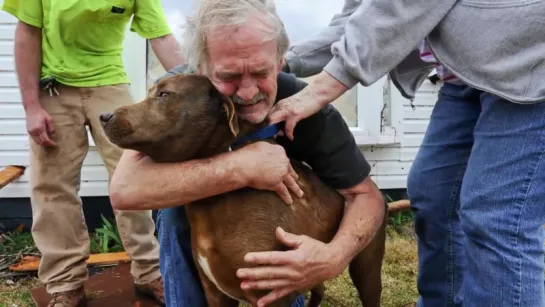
(391, 164)
(14, 143)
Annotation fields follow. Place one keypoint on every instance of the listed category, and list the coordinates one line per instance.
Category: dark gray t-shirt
(323, 140)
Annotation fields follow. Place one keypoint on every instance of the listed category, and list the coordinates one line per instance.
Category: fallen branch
(10, 174)
(398, 206)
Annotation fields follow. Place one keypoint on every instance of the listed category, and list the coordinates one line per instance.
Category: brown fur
(184, 117)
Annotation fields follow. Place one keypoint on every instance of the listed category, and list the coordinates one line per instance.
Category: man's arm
(310, 56)
(363, 215)
(139, 183)
(168, 51)
(379, 35)
(28, 60)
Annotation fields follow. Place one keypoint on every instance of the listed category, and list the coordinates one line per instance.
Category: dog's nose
(105, 117)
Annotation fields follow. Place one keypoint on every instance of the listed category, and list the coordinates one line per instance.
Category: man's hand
(266, 167)
(39, 125)
(322, 90)
(309, 263)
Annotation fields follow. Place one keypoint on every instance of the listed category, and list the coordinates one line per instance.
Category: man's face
(244, 67)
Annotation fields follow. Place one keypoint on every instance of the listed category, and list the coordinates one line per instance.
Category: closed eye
(163, 94)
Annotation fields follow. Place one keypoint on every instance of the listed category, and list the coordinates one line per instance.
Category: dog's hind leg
(214, 296)
(286, 301)
(316, 296)
(366, 270)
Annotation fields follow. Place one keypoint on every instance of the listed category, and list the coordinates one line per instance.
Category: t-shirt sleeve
(27, 11)
(149, 19)
(324, 142)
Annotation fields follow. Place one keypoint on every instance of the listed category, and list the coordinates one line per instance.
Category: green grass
(17, 293)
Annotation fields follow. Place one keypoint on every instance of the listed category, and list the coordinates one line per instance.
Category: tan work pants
(59, 228)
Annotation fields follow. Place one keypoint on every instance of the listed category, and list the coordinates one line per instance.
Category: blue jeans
(180, 276)
(477, 187)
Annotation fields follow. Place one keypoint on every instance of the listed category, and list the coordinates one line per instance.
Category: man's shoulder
(288, 85)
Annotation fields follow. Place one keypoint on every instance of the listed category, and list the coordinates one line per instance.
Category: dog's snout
(105, 117)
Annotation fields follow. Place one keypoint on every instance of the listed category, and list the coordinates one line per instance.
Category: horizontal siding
(21, 157)
(20, 189)
(89, 173)
(391, 164)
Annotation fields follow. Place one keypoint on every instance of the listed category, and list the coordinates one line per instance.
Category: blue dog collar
(263, 134)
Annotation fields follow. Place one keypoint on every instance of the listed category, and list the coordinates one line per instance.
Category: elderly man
(476, 184)
(68, 56)
(239, 46)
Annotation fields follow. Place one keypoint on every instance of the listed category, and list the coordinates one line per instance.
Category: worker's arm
(168, 51)
(28, 60)
(150, 22)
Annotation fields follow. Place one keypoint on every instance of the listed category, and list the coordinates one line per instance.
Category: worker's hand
(266, 167)
(322, 90)
(308, 263)
(40, 127)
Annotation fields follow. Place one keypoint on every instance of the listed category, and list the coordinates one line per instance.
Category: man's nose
(247, 90)
(105, 117)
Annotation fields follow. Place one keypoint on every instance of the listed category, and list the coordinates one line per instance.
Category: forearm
(28, 60)
(379, 35)
(363, 216)
(140, 184)
(168, 51)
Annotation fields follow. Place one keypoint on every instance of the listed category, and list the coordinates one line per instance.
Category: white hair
(230, 14)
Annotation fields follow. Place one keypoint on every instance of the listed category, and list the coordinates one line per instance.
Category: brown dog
(184, 117)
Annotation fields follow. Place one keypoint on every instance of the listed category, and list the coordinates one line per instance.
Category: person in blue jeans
(239, 46)
(477, 183)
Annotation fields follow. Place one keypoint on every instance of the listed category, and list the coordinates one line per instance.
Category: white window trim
(371, 101)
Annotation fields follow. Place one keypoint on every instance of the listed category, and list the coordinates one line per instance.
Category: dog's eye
(163, 94)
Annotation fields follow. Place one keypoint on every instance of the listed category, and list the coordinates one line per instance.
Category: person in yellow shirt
(68, 57)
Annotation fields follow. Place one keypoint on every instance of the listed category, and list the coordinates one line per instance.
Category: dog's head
(183, 117)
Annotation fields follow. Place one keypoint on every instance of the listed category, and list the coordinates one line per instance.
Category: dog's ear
(232, 117)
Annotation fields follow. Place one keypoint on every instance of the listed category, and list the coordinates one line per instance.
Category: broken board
(10, 174)
(30, 263)
(111, 288)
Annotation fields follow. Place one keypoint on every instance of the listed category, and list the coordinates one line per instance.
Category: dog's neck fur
(222, 139)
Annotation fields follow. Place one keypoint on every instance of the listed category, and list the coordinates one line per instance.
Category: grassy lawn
(399, 271)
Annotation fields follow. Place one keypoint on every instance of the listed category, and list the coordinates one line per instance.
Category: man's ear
(232, 117)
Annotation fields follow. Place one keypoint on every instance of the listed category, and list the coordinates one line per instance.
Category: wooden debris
(31, 263)
(398, 206)
(10, 174)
